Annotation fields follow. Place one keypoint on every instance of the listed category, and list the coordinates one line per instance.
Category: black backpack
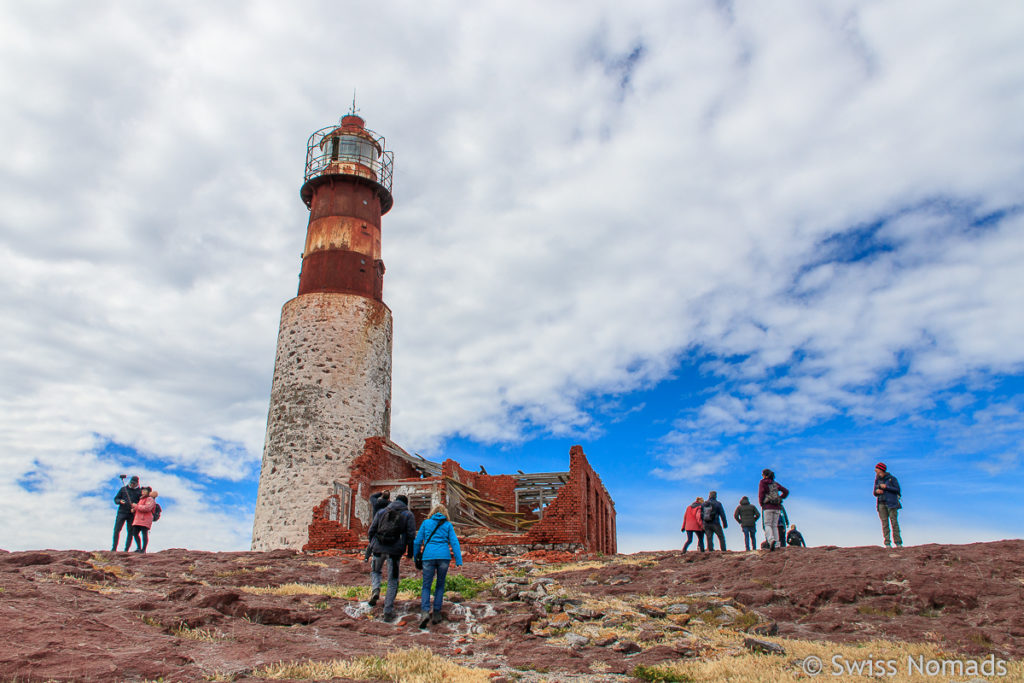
(707, 512)
(390, 528)
(156, 512)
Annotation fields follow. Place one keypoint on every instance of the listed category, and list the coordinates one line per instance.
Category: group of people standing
(137, 509)
(706, 520)
(434, 545)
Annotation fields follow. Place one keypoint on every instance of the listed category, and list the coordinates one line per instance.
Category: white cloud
(580, 202)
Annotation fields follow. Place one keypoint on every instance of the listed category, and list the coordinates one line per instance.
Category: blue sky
(697, 238)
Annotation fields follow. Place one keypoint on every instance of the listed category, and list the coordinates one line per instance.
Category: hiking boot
(374, 597)
(435, 617)
(424, 619)
(388, 617)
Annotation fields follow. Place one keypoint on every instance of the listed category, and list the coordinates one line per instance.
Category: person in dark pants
(783, 525)
(378, 502)
(747, 516)
(143, 518)
(887, 501)
(713, 513)
(391, 534)
(125, 498)
(693, 524)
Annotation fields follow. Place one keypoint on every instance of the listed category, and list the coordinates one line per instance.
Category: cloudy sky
(698, 238)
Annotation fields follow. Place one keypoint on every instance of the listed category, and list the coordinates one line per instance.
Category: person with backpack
(436, 544)
(770, 495)
(693, 524)
(795, 538)
(887, 501)
(391, 534)
(711, 512)
(747, 516)
(143, 520)
(378, 501)
(125, 498)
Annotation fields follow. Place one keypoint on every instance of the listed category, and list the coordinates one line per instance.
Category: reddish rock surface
(73, 615)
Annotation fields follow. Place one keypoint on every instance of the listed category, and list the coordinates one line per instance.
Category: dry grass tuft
(881, 659)
(408, 666)
(204, 634)
(71, 579)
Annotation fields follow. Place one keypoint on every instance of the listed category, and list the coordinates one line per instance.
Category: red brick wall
(581, 514)
(499, 488)
(375, 464)
(325, 534)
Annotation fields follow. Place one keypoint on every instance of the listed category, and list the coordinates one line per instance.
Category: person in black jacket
(713, 512)
(747, 516)
(125, 498)
(379, 501)
(391, 534)
(795, 538)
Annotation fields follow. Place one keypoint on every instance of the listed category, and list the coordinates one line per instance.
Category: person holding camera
(125, 499)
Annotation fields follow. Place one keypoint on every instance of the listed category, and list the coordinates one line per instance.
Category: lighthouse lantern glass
(351, 148)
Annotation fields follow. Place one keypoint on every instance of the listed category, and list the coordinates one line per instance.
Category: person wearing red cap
(887, 494)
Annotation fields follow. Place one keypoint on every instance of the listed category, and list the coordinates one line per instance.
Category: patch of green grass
(463, 585)
(745, 621)
(322, 605)
(658, 675)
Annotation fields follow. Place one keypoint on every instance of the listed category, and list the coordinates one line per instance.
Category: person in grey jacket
(713, 512)
(747, 516)
(391, 535)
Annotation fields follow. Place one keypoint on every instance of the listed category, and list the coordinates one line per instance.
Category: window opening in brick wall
(340, 507)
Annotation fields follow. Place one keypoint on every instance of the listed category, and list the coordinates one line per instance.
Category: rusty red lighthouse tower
(332, 373)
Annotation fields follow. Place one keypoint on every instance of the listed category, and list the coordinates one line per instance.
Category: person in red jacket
(693, 523)
(143, 518)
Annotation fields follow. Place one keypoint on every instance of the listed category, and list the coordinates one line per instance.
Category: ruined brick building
(328, 444)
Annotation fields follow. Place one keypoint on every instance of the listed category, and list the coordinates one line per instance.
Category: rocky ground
(182, 615)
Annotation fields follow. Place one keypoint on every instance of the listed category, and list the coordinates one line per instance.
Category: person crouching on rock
(795, 538)
(391, 534)
(436, 544)
(143, 518)
(693, 523)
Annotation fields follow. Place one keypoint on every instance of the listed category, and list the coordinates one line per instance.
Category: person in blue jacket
(436, 543)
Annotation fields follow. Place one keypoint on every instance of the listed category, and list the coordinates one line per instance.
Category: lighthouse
(332, 372)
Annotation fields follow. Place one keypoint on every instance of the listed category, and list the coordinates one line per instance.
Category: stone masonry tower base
(331, 391)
